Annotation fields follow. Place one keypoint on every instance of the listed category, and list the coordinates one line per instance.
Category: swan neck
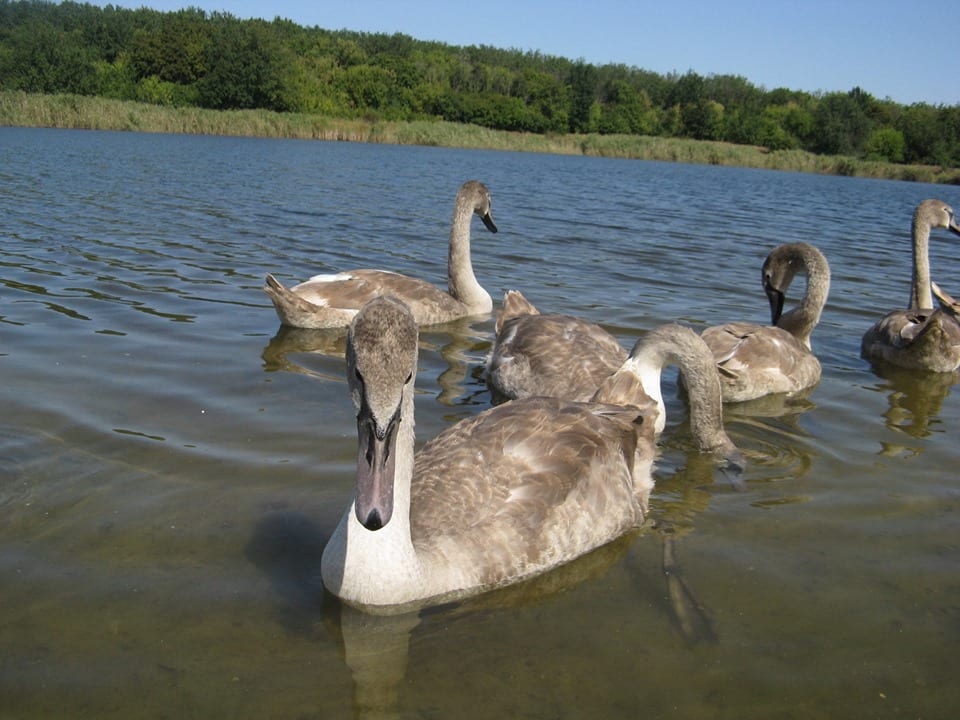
(687, 350)
(801, 320)
(921, 297)
(462, 282)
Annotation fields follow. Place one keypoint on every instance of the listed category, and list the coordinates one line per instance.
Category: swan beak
(776, 298)
(953, 227)
(488, 221)
(375, 470)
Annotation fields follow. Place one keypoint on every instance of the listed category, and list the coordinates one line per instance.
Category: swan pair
(508, 494)
(565, 356)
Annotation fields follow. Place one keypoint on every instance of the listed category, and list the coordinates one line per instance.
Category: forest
(191, 58)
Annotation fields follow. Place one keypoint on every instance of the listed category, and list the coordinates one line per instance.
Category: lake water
(171, 463)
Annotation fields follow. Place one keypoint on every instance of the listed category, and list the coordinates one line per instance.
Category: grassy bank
(93, 113)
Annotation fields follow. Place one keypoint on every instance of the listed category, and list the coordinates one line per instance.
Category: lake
(171, 461)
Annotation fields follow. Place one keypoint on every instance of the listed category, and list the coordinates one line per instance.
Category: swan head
(936, 214)
(476, 193)
(779, 269)
(381, 365)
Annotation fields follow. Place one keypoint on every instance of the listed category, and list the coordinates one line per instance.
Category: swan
(758, 360)
(331, 301)
(564, 356)
(548, 354)
(503, 496)
(919, 338)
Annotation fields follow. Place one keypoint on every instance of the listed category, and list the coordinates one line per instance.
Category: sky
(904, 50)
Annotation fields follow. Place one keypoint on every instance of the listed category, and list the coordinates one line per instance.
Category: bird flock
(562, 463)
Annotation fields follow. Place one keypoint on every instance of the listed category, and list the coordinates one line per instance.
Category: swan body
(567, 357)
(919, 337)
(332, 300)
(553, 355)
(497, 498)
(757, 360)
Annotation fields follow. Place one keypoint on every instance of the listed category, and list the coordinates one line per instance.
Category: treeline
(216, 61)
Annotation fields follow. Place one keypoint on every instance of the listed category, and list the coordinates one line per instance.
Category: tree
(583, 90)
(840, 125)
(887, 144)
(921, 133)
(244, 68)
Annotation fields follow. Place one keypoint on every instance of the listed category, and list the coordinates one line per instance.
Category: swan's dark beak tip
(373, 521)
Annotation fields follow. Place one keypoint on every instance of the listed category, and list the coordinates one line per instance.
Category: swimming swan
(919, 338)
(548, 354)
(505, 495)
(757, 360)
(567, 357)
(331, 301)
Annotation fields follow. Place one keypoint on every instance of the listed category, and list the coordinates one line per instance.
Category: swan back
(548, 354)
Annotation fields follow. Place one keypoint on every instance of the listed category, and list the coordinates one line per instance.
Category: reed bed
(97, 113)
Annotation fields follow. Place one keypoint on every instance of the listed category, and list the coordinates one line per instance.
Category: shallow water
(171, 462)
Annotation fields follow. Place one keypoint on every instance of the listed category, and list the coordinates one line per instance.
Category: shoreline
(19, 109)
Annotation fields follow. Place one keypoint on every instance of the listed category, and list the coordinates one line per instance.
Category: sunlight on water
(172, 461)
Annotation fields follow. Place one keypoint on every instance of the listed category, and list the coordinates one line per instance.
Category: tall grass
(96, 113)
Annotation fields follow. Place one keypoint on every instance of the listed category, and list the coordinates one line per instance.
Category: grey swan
(758, 360)
(503, 496)
(564, 356)
(331, 301)
(548, 354)
(919, 337)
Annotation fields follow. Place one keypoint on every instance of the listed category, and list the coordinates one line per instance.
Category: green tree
(887, 144)
(583, 90)
(840, 125)
(924, 135)
(245, 68)
(176, 51)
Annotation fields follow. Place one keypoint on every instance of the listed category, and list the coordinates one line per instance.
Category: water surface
(171, 462)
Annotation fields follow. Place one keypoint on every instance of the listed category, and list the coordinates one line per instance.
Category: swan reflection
(454, 356)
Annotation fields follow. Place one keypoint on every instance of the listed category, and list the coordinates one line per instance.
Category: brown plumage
(555, 355)
(564, 356)
(756, 360)
(499, 497)
(331, 301)
(919, 337)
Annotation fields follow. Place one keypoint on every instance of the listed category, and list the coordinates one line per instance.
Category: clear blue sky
(907, 50)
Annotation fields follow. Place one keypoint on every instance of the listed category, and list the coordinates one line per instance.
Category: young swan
(637, 382)
(919, 338)
(497, 498)
(553, 355)
(757, 360)
(331, 301)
